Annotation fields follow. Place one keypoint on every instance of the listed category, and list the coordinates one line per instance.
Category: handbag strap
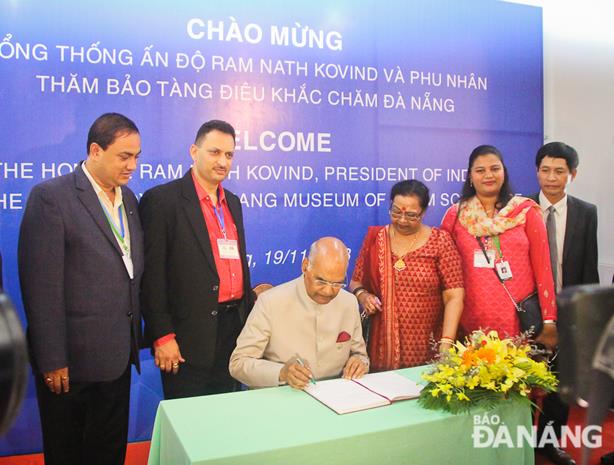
(518, 307)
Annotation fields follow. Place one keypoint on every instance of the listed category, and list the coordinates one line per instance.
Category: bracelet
(449, 340)
(362, 290)
(358, 289)
(552, 322)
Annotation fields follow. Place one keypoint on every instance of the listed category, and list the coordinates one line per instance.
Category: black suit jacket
(180, 284)
(81, 305)
(580, 244)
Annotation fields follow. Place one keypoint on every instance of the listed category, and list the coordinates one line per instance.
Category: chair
(260, 288)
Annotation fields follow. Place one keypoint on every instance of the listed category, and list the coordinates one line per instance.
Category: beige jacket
(285, 322)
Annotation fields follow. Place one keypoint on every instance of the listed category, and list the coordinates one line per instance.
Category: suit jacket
(180, 284)
(286, 322)
(81, 305)
(580, 243)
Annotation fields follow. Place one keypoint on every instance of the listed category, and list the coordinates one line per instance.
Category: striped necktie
(551, 228)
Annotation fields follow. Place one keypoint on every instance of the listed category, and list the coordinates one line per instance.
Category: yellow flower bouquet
(482, 371)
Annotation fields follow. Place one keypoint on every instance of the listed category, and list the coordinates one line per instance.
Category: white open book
(372, 390)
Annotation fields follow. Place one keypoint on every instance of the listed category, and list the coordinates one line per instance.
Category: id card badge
(503, 270)
(479, 260)
(228, 249)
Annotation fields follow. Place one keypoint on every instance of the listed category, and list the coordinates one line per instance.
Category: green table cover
(283, 426)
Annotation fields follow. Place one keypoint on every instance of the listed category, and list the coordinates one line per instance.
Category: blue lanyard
(122, 231)
(119, 235)
(219, 213)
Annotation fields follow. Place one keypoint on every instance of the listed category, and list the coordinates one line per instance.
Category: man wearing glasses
(306, 329)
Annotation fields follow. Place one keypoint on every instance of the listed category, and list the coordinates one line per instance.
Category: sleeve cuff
(164, 339)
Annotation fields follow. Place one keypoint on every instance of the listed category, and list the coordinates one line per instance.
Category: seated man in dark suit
(572, 237)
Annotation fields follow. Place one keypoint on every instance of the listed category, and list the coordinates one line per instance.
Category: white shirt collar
(100, 192)
(544, 203)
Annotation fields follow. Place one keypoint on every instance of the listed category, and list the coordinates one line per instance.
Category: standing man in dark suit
(572, 236)
(80, 264)
(196, 288)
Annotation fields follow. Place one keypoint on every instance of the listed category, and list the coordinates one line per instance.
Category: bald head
(325, 269)
(329, 249)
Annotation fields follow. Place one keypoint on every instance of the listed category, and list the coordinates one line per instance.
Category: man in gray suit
(572, 237)
(80, 264)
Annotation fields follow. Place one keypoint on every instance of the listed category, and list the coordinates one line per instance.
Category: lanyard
(481, 244)
(498, 246)
(119, 235)
(495, 240)
(219, 214)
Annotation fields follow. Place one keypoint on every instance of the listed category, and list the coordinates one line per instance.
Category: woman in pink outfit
(499, 233)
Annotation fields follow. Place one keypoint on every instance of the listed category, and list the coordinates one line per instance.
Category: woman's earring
(470, 183)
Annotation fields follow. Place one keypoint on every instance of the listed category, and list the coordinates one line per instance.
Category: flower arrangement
(483, 371)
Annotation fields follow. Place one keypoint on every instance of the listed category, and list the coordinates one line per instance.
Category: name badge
(479, 260)
(503, 270)
(228, 249)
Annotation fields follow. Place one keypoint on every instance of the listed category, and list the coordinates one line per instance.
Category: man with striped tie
(572, 235)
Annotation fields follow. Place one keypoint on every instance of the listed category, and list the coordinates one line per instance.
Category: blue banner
(333, 102)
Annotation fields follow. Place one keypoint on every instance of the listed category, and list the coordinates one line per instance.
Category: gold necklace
(400, 265)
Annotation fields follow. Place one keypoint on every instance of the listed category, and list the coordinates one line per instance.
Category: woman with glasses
(500, 235)
(408, 278)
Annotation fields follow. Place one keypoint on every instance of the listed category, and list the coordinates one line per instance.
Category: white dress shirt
(114, 210)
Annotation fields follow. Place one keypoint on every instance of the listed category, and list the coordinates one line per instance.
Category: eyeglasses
(334, 285)
(409, 216)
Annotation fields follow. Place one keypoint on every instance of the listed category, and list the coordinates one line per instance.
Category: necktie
(551, 228)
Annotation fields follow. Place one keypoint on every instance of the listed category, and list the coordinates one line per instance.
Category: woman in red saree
(408, 277)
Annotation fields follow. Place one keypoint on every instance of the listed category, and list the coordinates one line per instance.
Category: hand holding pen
(296, 373)
(300, 361)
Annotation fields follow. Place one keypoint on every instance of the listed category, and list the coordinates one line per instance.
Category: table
(281, 425)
